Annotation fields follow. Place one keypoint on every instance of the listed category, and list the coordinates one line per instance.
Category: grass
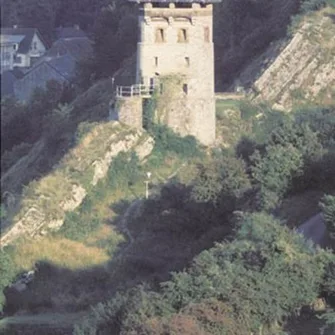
(234, 119)
(98, 244)
(62, 251)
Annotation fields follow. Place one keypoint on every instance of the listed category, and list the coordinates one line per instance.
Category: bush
(123, 173)
(8, 272)
(166, 140)
(312, 5)
(273, 173)
(327, 205)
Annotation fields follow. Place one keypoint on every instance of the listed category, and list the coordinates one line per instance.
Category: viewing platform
(137, 90)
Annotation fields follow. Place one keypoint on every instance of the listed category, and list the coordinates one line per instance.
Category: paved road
(314, 229)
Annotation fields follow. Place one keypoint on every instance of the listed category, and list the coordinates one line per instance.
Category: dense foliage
(263, 275)
(328, 209)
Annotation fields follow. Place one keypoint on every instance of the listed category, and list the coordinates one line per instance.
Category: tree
(274, 172)
(221, 182)
(327, 205)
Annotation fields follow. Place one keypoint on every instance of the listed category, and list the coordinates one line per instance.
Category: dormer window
(160, 35)
(182, 36)
(14, 46)
(35, 45)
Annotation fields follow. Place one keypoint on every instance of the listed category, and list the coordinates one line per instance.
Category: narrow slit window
(187, 61)
(206, 34)
(185, 89)
(156, 61)
(182, 36)
(160, 35)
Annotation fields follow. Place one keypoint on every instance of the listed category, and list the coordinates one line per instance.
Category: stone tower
(176, 42)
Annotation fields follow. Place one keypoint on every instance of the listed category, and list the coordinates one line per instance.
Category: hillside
(299, 70)
(46, 200)
(145, 232)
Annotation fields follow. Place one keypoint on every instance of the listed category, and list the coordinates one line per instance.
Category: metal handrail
(134, 90)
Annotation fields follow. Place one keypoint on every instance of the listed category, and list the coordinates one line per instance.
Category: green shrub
(77, 227)
(327, 205)
(123, 173)
(273, 173)
(312, 5)
(8, 272)
(166, 140)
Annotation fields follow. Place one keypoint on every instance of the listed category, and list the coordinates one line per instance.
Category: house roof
(69, 32)
(176, 1)
(28, 34)
(11, 39)
(78, 48)
(63, 65)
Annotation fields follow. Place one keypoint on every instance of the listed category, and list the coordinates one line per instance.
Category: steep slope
(46, 201)
(298, 71)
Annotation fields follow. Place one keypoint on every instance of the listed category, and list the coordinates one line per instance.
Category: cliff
(299, 70)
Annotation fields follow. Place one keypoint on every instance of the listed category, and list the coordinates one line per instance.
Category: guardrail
(134, 90)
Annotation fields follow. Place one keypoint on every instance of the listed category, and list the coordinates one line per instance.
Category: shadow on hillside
(167, 234)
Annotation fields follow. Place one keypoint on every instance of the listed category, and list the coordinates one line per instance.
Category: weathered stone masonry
(176, 40)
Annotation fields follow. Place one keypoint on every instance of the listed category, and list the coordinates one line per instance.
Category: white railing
(134, 90)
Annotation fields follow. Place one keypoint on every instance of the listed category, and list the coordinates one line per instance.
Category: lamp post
(147, 185)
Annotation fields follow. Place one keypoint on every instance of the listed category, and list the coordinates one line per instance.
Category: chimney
(15, 26)
(76, 26)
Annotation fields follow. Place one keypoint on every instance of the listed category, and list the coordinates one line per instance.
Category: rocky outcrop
(46, 201)
(299, 71)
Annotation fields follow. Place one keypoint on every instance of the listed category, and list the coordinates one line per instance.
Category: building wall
(129, 111)
(37, 48)
(185, 50)
(7, 57)
(37, 77)
(22, 60)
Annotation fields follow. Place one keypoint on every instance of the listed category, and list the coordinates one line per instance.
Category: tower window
(182, 36)
(206, 34)
(160, 35)
(187, 61)
(185, 88)
(156, 61)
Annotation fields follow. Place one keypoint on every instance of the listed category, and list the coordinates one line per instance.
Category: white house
(20, 47)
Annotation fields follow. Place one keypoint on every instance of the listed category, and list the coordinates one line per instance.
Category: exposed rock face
(46, 201)
(303, 71)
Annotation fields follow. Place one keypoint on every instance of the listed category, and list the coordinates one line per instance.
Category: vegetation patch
(59, 251)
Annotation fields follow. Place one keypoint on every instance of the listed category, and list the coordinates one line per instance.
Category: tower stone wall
(176, 39)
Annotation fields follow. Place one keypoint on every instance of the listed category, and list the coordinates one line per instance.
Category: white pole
(147, 189)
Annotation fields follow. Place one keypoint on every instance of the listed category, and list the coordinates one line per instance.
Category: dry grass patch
(59, 251)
